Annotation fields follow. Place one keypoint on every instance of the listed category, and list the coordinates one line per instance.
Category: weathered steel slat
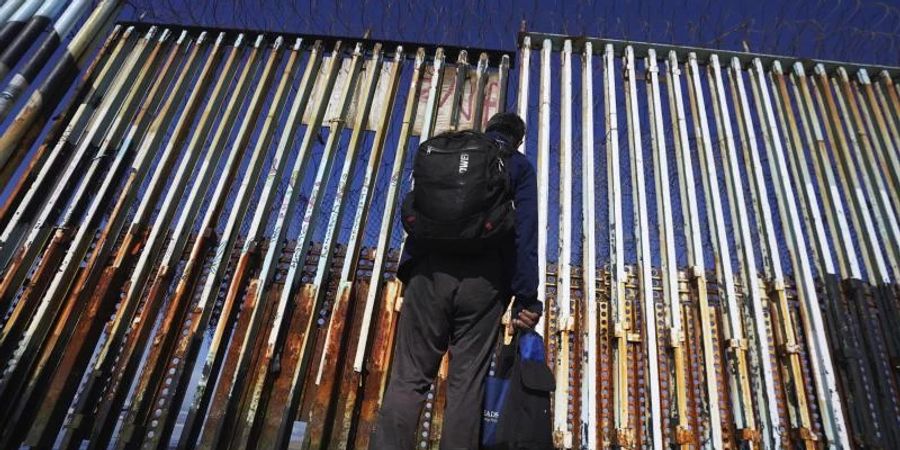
(654, 358)
(564, 320)
(393, 194)
(23, 40)
(322, 411)
(746, 259)
(17, 255)
(26, 126)
(669, 271)
(830, 408)
(875, 263)
(186, 350)
(160, 358)
(767, 386)
(481, 77)
(843, 322)
(149, 144)
(890, 103)
(150, 135)
(65, 133)
(27, 306)
(30, 70)
(462, 73)
(259, 386)
(624, 434)
(886, 146)
(735, 358)
(38, 383)
(345, 286)
(695, 257)
(363, 381)
(543, 179)
(99, 300)
(130, 325)
(148, 242)
(590, 433)
(187, 283)
(642, 236)
(19, 21)
(524, 86)
(377, 370)
(270, 341)
(145, 121)
(865, 171)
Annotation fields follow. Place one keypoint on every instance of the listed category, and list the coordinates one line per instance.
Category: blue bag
(507, 382)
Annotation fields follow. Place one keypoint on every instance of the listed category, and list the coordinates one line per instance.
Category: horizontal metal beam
(495, 56)
(703, 54)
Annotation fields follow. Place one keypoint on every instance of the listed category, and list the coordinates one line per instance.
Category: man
(455, 302)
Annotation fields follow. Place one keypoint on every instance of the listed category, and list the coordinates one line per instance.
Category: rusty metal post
(52, 302)
(736, 345)
(165, 402)
(36, 111)
(127, 316)
(668, 257)
(232, 384)
(97, 81)
(90, 290)
(624, 431)
(860, 136)
(502, 84)
(561, 433)
(69, 126)
(26, 37)
(843, 317)
(136, 240)
(321, 412)
(481, 77)
(697, 270)
(115, 394)
(462, 73)
(130, 79)
(142, 120)
(772, 431)
(376, 379)
(88, 181)
(201, 315)
(138, 420)
(874, 259)
(590, 432)
(387, 222)
(543, 179)
(887, 155)
(642, 235)
(831, 408)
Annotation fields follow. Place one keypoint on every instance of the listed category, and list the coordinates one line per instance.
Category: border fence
(202, 250)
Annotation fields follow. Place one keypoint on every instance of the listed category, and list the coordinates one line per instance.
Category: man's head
(510, 125)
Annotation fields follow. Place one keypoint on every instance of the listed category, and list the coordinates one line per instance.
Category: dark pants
(455, 304)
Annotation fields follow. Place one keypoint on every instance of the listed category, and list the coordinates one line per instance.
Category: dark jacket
(519, 250)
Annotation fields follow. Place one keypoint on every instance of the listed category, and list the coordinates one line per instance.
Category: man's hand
(526, 320)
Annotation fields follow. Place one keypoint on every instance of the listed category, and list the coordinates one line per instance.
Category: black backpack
(461, 201)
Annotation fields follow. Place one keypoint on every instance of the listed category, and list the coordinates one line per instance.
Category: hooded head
(509, 125)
